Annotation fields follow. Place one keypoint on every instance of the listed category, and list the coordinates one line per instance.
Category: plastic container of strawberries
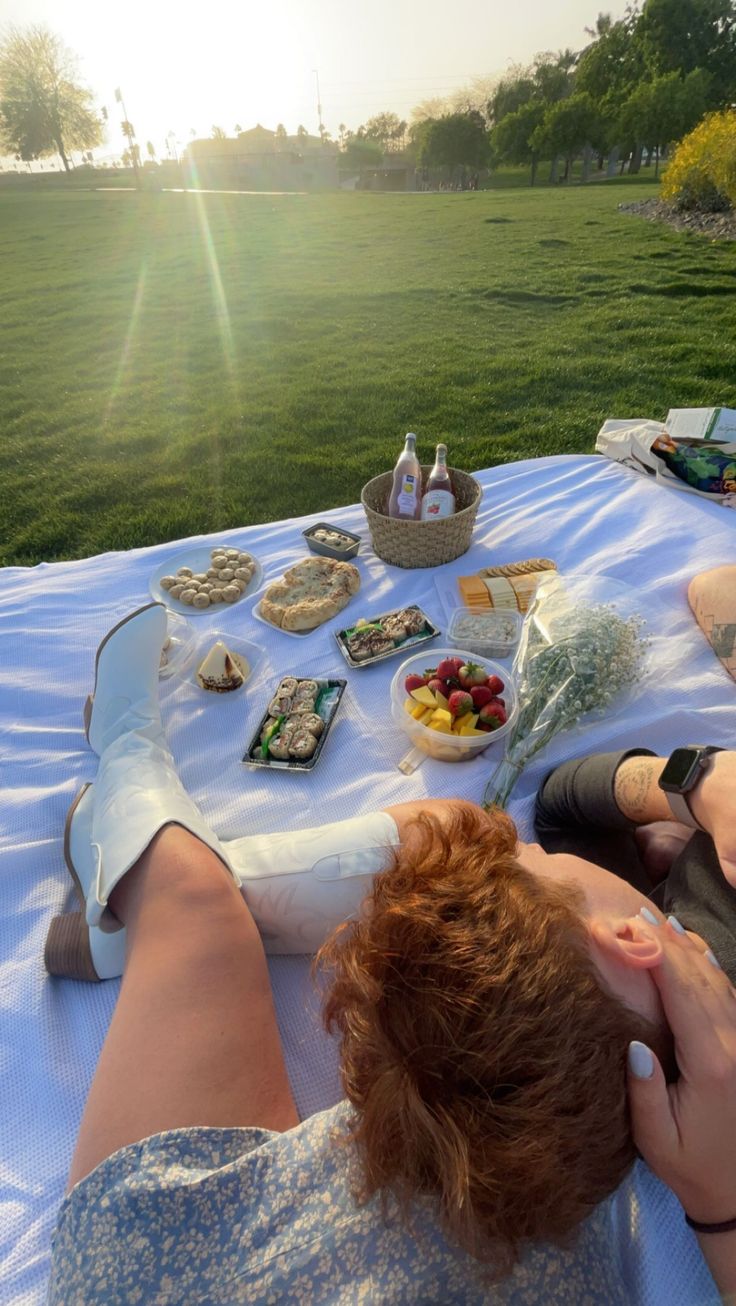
(433, 743)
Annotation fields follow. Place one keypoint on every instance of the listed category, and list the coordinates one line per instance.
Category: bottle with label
(439, 499)
(405, 501)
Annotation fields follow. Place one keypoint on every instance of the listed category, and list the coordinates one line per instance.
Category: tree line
(640, 83)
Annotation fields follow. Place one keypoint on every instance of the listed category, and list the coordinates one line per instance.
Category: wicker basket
(421, 543)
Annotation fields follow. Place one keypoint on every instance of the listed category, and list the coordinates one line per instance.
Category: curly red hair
(481, 1052)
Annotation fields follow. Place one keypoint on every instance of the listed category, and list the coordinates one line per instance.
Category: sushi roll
(412, 619)
(302, 745)
(278, 747)
(279, 706)
(302, 707)
(395, 628)
(306, 689)
(288, 687)
(313, 723)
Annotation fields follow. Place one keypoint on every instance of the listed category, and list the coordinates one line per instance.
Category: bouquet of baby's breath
(576, 657)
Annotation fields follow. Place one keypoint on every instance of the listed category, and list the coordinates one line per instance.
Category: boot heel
(67, 951)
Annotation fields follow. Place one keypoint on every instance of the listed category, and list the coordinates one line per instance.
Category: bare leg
(193, 1039)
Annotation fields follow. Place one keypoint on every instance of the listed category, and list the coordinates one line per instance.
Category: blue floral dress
(246, 1215)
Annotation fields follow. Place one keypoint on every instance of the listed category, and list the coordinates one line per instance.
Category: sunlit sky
(189, 66)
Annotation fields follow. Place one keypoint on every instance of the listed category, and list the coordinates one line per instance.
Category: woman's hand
(687, 1131)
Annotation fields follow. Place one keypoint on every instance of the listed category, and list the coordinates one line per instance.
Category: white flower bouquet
(581, 652)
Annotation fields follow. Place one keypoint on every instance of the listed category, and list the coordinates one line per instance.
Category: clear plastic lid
(489, 632)
(178, 646)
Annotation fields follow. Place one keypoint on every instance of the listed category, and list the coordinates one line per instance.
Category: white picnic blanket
(585, 512)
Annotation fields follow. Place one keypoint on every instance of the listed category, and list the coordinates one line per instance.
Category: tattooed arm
(713, 801)
(637, 793)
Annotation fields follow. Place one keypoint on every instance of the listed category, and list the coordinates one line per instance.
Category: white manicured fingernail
(677, 927)
(641, 1061)
(650, 917)
(713, 960)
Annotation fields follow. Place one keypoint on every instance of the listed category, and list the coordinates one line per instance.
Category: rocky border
(716, 226)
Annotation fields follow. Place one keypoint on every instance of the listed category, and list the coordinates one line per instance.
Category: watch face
(681, 769)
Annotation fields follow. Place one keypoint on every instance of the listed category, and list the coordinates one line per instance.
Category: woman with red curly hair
(487, 995)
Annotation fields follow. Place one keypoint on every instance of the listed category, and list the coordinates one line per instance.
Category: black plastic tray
(275, 763)
(329, 550)
(406, 647)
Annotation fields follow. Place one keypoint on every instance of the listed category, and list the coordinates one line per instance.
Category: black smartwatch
(684, 769)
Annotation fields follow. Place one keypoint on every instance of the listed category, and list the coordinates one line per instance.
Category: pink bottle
(405, 501)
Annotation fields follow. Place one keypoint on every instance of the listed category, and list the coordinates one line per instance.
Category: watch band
(678, 803)
(680, 808)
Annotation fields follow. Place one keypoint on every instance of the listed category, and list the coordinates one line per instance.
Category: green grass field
(178, 363)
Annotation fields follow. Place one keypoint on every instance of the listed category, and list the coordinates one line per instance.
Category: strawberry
(437, 686)
(459, 703)
(480, 695)
(414, 682)
(493, 715)
(449, 667)
(471, 674)
(495, 684)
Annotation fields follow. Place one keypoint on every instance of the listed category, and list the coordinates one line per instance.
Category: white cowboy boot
(126, 679)
(299, 886)
(137, 791)
(72, 948)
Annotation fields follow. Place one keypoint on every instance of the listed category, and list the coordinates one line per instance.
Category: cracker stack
(511, 586)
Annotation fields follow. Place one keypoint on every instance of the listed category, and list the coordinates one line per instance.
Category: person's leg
(193, 1039)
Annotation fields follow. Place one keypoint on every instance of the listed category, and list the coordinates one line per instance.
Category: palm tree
(151, 148)
(603, 25)
(301, 132)
(237, 129)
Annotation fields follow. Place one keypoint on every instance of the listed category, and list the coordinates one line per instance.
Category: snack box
(327, 550)
(424, 636)
(328, 701)
(489, 632)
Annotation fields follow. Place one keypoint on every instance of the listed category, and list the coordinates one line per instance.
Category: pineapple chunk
(409, 706)
(441, 726)
(471, 731)
(417, 710)
(441, 701)
(463, 723)
(441, 714)
(424, 695)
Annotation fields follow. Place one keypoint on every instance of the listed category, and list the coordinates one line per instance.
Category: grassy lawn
(177, 363)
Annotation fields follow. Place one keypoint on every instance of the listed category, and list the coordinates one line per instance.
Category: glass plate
(199, 559)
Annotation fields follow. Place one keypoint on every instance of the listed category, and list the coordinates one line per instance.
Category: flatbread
(311, 592)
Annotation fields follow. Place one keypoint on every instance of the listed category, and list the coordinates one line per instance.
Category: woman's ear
(629, 941)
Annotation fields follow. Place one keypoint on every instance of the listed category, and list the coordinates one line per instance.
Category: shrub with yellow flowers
(702, 172)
